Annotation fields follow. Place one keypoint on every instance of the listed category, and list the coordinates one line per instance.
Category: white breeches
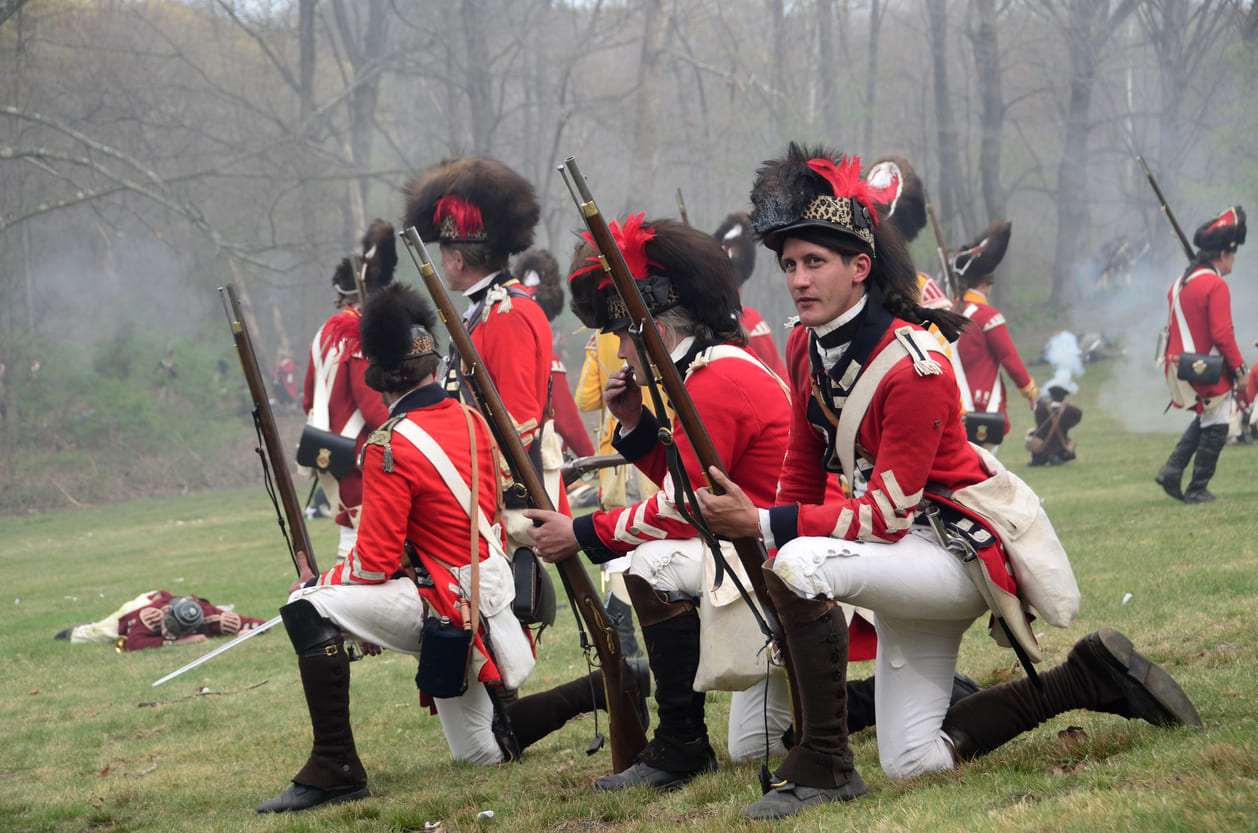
(755, 714)
(923, 603)
(392, 615)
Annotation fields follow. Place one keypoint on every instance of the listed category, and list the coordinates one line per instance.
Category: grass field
(90, 745)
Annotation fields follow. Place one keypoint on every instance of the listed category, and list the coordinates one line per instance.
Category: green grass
(90, 745)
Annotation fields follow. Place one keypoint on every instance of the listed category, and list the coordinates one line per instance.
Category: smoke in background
(1066, 357)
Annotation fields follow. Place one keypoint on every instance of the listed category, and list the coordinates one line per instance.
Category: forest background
(153, 151)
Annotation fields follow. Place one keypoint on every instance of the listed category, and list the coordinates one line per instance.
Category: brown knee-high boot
(1103, 673)
(333, 773)
(819, 768)
(679, 750)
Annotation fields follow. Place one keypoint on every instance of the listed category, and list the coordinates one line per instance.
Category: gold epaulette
(382, 437)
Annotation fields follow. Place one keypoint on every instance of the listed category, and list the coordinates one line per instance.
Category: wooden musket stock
(950, 287)
(273, 450)
(627, 735)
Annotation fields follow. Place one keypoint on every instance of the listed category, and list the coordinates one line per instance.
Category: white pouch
(732, 653)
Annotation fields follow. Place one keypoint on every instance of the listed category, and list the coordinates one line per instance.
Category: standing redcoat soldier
(1201, 322)
(481, 213)
(986, 346)
(869, 358)
(336, 399)
(739, 242)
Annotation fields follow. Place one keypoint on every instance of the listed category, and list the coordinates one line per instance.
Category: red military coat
(1206, 302)
(912, 432)
(760, 341)
(745, 411)
(409, 501)
(984, 348)
(338, 348)
(513, 338)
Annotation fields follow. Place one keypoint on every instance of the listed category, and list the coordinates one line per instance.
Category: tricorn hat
(673, 265)
(1222, 234)
(813, 190)
(379, 254)
(538, 271)
(473, 200)
(738, 240)
(899, 195)
(979, 258)
(397, 325)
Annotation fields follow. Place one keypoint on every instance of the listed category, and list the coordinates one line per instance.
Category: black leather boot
(333, 774)
(1212, 441)
(537, 715)
(679, 750)
(819, 768)
(1103, 673)
(1172, 471)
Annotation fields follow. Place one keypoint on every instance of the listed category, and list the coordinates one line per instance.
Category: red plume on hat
(673, 265)
(738, 240)
(1222, 234)
(899, 195)
(474, 200)
(813, 190)
(980, 257)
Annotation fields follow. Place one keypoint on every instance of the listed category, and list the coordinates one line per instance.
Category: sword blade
(266, 626)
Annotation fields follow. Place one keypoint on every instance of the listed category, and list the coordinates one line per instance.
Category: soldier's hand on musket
(623, 397)
(553, 538)
(731, 514)
(304, 573)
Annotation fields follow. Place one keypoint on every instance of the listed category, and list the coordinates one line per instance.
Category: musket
(1166, 209)
(949, 280)
(360, 277)
(681, 206)
(627, 734)
(249, 634)
(573, 469)
(751, 551)
(270, 450)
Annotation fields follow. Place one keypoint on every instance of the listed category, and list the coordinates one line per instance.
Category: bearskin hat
(474, 200)
(538, 270)
(397, 325)
(379, 253)
(343, 278)
(900, 195)
(738, 240)
(1222, 234)
(978, 259)
(674, 265)
(813, 189)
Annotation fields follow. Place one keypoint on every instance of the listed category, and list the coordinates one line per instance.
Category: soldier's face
(822, 283)
(1226, 261)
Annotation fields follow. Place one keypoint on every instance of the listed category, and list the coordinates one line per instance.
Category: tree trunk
(1088, 28)
(950, 201)
(647, 127)
(876, 10)
(476, 71)
(991, 119)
